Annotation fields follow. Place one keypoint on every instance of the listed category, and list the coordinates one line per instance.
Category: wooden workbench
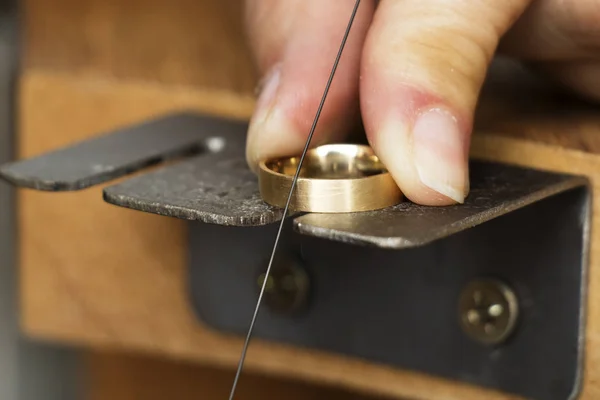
(112, 280)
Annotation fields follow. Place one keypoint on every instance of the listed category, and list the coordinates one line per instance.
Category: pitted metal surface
(495, 190)
(213, 188)
(220, 189)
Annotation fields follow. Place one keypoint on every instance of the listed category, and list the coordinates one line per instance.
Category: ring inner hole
(332, 164)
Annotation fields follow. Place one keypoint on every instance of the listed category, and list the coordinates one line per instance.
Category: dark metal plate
(220, 189)
(495, 190)
(124, 151)
(400, 307)
(212, 188)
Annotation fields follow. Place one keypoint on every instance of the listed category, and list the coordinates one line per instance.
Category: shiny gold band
(335, 178)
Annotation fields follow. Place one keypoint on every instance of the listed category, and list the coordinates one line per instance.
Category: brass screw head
(488, 311)
(287, 287)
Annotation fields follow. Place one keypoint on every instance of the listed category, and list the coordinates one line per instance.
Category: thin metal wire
(289, 199)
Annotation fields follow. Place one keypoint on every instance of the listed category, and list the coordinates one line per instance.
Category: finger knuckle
(452, 61)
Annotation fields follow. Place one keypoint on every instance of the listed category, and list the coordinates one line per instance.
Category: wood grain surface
(178, 42)
(116, 376)
(110, 278)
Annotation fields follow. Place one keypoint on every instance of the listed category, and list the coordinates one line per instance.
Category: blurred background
(28, 370)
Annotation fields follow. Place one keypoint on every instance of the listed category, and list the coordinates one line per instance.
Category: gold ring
(334, 178)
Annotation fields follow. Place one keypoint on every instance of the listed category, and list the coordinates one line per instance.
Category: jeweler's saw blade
(293, 186)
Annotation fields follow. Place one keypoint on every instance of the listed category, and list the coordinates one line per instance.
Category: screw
(488, 311)
(287, 287)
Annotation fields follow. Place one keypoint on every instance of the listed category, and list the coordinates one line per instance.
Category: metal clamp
(490, 292)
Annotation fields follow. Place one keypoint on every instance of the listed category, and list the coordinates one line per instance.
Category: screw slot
(287, 288)
(488, 311)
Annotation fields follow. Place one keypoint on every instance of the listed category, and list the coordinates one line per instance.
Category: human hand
(418, 66)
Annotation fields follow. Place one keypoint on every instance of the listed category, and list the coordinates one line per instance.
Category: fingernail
(270, 132)
(441, 154)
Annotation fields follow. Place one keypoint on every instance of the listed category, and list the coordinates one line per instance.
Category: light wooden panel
(179, 42)
(114, 376)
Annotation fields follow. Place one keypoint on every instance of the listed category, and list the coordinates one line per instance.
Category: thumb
(423, 66)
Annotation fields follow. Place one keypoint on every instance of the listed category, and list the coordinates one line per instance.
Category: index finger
(296, 43)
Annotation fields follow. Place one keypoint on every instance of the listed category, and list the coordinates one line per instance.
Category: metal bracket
(491, 292)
